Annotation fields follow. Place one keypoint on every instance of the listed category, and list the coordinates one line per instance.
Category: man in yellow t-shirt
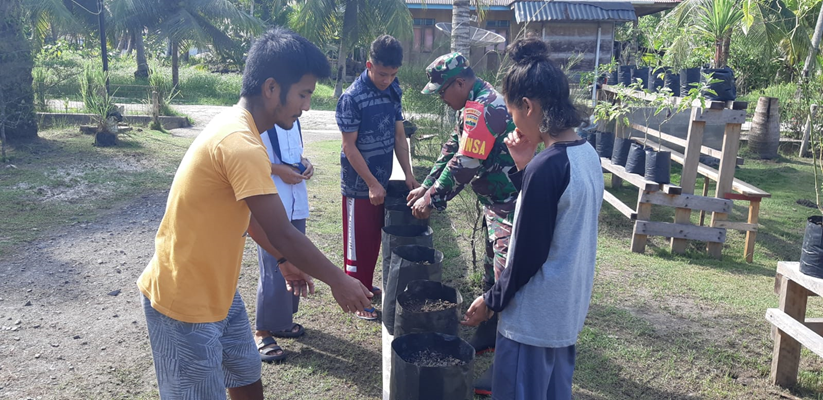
(200, 335)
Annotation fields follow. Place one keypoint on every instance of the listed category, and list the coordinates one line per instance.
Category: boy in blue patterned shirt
(370, 117)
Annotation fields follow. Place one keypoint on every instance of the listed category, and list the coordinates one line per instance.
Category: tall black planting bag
(612, 78)
(641, 73)
(658, 166)
(672, 82)
(620, 153)
(408, 263)
(624, 74)
(592, 139)
(725, 89)
(605, 143)
(450, 379)
(427, 306)
(811, 257)
(636, 160)
(655, 81)
(401, 235)
(398, 213)
(687, 78)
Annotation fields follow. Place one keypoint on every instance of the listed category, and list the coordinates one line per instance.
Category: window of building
(500, 27)
(423, 35)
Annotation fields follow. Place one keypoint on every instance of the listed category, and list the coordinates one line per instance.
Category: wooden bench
(793, 329)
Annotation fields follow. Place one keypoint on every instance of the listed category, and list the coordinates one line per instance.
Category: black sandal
(265, 352)
(291, 333)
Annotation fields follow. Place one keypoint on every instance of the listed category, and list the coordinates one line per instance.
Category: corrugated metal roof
(533, 11)
(449, 2)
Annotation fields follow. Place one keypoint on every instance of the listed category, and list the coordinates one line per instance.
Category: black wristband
(281, 261)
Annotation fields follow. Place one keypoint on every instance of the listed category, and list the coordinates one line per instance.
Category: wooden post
(705, 193)
(725, 178)
(644, 213)
(688, 178)
(751, 236)
(786, 355)
(807, 131)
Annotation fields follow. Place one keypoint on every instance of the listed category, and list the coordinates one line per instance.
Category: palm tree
(47, 17)
(201, 23)
(17, 120)
(461, 19)
(350, 22)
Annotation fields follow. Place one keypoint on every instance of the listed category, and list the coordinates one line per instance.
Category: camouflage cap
(442, 69)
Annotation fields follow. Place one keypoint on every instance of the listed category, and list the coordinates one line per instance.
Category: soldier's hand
(376, 194)
(521, 148)
(422, 207)
(414, 195)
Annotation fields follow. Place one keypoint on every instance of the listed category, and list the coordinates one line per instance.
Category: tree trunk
(175, 64)
(15, 74)
(718, 53)
(724, 55)
(348, 37)
(818, 32)
(764, 137)
(140, 51)
(460, 40)
(130, 47)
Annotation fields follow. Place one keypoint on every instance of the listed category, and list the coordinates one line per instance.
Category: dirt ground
(71, 325)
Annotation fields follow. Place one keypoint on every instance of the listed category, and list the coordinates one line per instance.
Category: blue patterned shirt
(372, 113)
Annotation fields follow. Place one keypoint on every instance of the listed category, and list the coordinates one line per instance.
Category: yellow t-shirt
(199, 246)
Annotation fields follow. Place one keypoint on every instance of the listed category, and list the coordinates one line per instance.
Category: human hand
(288, 174)
(376, 194)
(350, 294)
(297, 282)
(309, 172)
(422, 207)
(477, 313)
(521, 148)
(414, 195)
(412, 183)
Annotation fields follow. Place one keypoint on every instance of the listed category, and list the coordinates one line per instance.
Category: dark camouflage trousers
(498, 229)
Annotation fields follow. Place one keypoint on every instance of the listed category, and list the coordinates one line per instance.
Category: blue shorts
(199, 361)
(523, 372)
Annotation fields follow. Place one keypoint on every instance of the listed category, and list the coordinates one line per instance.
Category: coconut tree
(461, 18)
(201, 23)
(17, 120)
(350, 22)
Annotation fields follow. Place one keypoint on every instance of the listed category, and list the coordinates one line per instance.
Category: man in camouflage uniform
(474, 154)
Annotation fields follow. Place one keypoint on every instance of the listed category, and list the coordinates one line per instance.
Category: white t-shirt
(295, 197)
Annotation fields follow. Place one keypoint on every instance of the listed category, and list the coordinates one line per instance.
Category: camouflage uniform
(488, 177)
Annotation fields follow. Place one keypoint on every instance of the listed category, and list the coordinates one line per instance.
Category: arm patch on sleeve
(477, 140)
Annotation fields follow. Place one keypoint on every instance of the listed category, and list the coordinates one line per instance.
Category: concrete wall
(50, 119)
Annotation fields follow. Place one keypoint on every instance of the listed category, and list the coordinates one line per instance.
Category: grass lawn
(659, 326)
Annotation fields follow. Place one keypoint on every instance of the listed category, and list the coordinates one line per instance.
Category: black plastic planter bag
(621, 151)
(636, 160)
(612, 78)
(811, 257)
(641, 73)
(605, 144)
(658, 166)
(624, 74)
(398, 213)
(687, 77)
(410, 317)
(408, 263)
(672, 82)
(655, 81)
(725, 90)
(411, 381)
(592, 139)
(402, 235)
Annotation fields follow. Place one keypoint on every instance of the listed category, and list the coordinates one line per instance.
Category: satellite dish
(477, 36)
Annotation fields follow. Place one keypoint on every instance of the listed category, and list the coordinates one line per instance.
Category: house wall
(569, 40)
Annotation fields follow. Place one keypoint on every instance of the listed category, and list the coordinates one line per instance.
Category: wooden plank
(725, 178)
(796, 329)
(692, 153)
(616, 181)
(737, 226)
(691, 232)
(672, 189)
(705, 194)
(680, 142)
(786, 354)
(690, 201)
(740, 105)
(634, 179)
(619, 205)
(711, 173)
(644, 212)
(815, 324)
(682, 216)
(721, 116)
(791, 270)
(751, 235)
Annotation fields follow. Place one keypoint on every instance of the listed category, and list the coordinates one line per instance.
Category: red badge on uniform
(477, 141)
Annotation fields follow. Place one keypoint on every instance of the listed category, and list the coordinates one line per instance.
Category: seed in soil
(429, 358)
(429, 305)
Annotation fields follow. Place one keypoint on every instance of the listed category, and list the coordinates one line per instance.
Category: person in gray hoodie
(543, 294)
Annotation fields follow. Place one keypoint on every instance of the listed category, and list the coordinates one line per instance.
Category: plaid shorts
(199, 361)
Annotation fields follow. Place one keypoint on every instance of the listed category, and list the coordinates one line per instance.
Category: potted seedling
(618, 115)
(604, 131)
(811, 254)
(97, 101)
